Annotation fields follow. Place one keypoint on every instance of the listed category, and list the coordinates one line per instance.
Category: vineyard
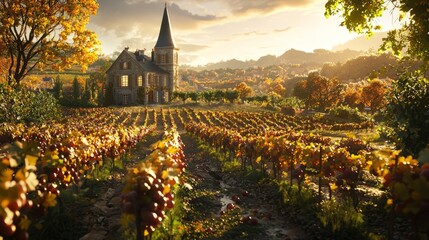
(198, 174)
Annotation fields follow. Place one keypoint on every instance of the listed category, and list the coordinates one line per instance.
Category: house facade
(136, 78)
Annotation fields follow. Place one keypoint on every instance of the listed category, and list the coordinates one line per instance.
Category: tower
(166, 54)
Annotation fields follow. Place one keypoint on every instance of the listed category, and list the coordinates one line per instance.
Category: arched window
(150, 80)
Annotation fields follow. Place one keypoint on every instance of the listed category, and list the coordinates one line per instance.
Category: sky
(208, 31)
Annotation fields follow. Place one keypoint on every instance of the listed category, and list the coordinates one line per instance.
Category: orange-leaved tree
(373, 94)
(318, 91)
(46, 33)
(244, 90)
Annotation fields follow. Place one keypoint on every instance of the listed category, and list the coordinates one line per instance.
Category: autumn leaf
(50, 200)
(6, 175)
(24, 223)
(30, 162)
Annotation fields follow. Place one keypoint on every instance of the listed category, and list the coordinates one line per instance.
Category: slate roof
(146, 65)
(165, 38)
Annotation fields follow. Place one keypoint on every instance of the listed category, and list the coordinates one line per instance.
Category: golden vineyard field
(39, 163)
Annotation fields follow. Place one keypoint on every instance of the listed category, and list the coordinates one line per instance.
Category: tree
(231, 95)
(76, 88)
(46, 33)
(58, 88)
(361, 17)
(408, 112)
(373, 94)
(244, 90)
(219, 95)
(301, 90)
(4, 62)
(109, 98)
(280, 90)
(182, 95)
(352, 97)
(318, 91)
(208, 96)
(194, 96)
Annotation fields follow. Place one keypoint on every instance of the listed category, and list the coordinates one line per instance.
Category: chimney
(126, 48)
(153, 56)
(140, 52)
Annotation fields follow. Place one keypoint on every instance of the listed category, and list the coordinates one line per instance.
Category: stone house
(136, 78)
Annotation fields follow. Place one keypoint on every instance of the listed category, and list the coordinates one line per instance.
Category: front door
(150, 96)
(125, 99)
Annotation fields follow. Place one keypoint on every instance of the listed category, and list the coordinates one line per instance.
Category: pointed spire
(165, 38)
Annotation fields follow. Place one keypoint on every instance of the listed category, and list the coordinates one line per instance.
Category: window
(157, 81)
(164, 81)
(125, 65)
(140, 81)
(151, 83)
(166, 96)
(166, 58)
(124, 81)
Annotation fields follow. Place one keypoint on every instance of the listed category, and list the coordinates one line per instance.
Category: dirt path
(103, 218)
(261, 200)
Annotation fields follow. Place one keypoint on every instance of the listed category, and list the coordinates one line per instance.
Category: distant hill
(363, 43)
(316, 58)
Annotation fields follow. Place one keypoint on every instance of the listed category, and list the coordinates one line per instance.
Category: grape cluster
(17, 178)
(148, 193)
(148, 201)
(408, 184)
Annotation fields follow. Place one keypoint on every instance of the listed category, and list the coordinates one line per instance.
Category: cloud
(258, 33)
(264, 6)
(139, 16)
(187, 58)
(283, 29)
(262, 33)
(244, 7)
(135, 43)
(187, 47)
(142, 42)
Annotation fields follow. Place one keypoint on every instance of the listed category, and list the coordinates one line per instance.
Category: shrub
(288, 110)
(347, 114)
(20, 105)
(408, 112)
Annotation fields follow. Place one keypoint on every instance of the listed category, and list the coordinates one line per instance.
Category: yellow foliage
(57, 40)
